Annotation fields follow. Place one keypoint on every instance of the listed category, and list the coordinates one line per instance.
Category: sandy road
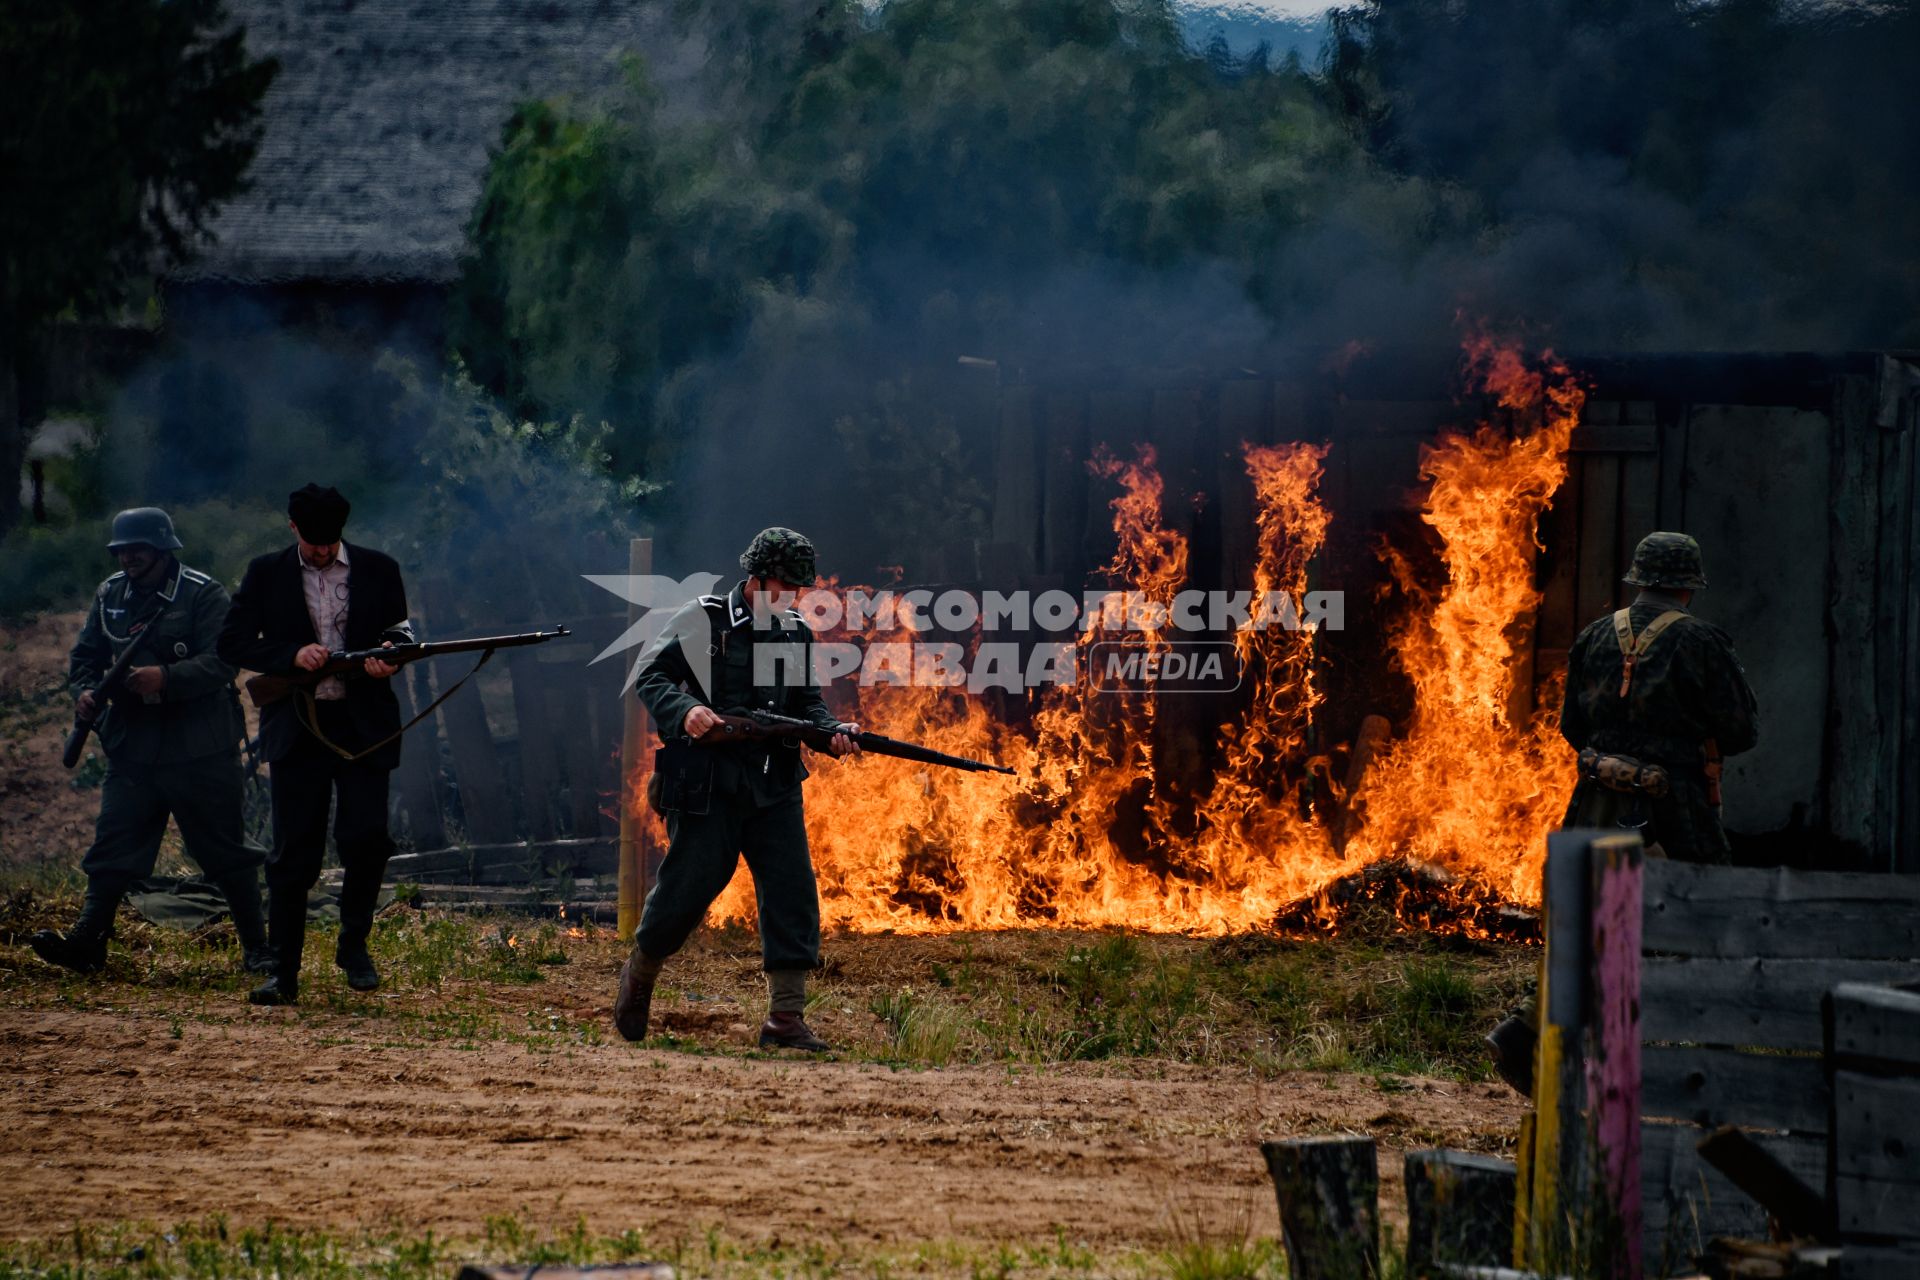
(111, 1117)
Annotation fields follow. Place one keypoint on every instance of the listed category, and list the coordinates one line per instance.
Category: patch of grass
(919, 1029)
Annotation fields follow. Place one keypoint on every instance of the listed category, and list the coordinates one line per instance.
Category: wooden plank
(1459, 1210)
(417, 791)
(537, 744)
(1558, 1155)
(1613, 1047)
(1789, 1199)
(1903, 800)
(1118, 421)
(485, 808)
(1291, 418)
(1016, 505)
(1688, 1202)
(1855, 724)
(1598, 576)
(1063, 499)
(1876, 1025)
(1726, 1086)
(1775, 913)
(1878, 1208)
(568, 709)
(1639, 503)
(1329, 1191)
(1876, 1132)
(1769, 1003)
(1244, 414)
(1866, 1262)
(1558, 617)
(1617, 437)
(1892, 582)
(1673, 471)
(1758, 498)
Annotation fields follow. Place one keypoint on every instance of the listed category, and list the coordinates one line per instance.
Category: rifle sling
(311, 720)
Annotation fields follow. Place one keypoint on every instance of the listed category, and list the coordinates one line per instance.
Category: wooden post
(1375, 730)
(1459, 1211)
(633, 757)
(1613, 1049)
(1329, 1192)
(1554, 1155)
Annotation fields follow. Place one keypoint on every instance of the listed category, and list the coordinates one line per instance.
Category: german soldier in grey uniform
(172, 738)
(1655, 699)
(741, 798)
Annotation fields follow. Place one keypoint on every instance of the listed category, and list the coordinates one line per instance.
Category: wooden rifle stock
(267, 689)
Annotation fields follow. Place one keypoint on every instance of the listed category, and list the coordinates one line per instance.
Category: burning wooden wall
(1797, 473)
(1384, 479)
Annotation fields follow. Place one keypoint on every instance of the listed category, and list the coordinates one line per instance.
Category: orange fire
(1110, 823)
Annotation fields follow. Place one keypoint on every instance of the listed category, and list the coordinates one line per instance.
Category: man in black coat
(337, 738)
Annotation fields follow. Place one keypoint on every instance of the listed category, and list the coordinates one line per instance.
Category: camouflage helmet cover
(143, 527)
(779, 553)
(1669, 560)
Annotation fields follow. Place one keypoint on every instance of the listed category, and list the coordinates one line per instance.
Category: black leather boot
(633, 1001)
(83, 948)
(351, 954)
(276, 990)
(242, 892)
(287, 934)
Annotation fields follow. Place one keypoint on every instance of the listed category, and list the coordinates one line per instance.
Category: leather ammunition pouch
(682, 779)
(1624, 773)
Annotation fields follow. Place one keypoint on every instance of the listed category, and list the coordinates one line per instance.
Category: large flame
(1100, 827)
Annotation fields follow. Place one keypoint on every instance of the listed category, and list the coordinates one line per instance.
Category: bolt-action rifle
(268, 688)
(748, 725)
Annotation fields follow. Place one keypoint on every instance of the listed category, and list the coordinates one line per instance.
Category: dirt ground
(153, 1093)
(110, 1116)
(43, 816)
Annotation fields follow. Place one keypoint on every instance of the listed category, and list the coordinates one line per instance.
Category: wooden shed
(1795, 471)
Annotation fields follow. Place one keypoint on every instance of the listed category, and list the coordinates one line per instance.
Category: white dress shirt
(326, 591)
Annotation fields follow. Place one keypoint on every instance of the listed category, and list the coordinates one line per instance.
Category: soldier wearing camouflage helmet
(1655, 699)
(746, 649)
(171, 735)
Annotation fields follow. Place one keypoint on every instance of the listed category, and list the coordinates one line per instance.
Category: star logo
(661, 599)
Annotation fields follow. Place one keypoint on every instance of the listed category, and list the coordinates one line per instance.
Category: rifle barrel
(817, 737)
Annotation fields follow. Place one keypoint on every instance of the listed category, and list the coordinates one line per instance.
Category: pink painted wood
(1613, 1058)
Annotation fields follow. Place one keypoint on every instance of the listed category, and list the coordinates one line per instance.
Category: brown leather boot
(633, 1002)
(790, 1031)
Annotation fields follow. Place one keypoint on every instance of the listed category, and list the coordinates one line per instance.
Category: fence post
(633, 753)
(1613, 1045)
(1553, 1152)
(1329, 1194)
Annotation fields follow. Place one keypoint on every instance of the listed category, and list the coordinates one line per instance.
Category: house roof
(379, 123)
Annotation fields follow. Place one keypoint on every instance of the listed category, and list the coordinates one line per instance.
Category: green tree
(129, 123)
(871, 194)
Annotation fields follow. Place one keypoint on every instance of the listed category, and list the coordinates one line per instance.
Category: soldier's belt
(1624, 773)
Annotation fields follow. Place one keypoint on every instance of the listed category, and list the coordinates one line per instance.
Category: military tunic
(756, 808)
(1686, 689)
(174, 752)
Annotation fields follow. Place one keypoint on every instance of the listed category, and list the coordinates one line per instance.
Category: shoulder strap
(1623, 631)
(1633, 648)
(1654, 629)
